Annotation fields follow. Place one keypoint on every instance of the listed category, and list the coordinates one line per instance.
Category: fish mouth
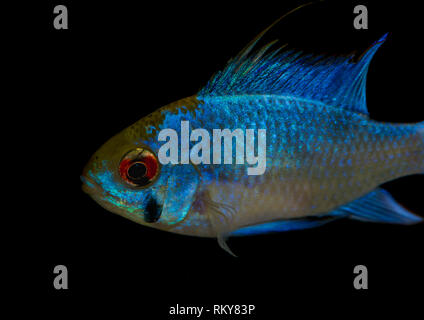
(89, 186)
(94, 190)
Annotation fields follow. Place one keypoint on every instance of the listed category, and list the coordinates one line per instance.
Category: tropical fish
(325, 157)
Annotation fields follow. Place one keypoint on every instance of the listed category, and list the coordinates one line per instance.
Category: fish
(326, 159)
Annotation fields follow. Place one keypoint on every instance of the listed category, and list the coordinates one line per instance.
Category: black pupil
(137, 171)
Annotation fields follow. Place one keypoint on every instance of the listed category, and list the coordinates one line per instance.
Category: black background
(121, 60)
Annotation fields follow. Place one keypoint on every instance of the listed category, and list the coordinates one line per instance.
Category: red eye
(139, 167)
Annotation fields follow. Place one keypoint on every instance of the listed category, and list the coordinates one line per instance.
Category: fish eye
(139, 167)
(136, 171)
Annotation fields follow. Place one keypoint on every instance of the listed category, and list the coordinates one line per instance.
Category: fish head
(125, 177)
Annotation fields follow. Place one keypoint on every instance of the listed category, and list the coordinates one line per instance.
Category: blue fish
(322, 157)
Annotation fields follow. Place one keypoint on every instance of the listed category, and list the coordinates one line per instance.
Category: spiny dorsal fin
(337, 81)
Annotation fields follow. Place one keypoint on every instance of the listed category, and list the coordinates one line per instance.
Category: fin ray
(378, 206)
(222, 241)
(337, 81)
(284, 225)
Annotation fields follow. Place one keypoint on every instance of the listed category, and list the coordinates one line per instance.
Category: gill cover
(179, 193)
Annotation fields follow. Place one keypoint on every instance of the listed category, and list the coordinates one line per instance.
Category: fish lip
(94, 189)
(89, 185)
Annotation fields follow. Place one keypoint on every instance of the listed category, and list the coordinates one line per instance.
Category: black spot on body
(153, 211)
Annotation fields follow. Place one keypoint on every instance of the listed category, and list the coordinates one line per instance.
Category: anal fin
(378, 206)
(284, 225)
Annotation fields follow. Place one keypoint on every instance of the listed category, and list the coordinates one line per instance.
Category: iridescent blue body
(325, 158)
(318, 158)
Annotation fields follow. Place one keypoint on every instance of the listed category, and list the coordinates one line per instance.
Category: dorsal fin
(337, 81)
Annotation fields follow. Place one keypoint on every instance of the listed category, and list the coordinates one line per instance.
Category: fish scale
(362, 154)
(325, 157)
